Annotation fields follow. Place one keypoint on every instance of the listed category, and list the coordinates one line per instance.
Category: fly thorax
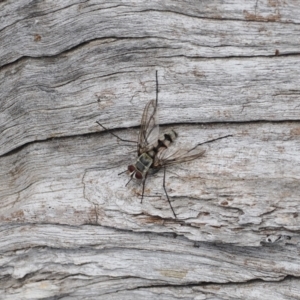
(143, 163)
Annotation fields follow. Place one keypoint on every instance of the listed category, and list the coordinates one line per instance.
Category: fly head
(133, 172)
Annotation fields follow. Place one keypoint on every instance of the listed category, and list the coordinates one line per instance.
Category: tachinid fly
(153, 150)
(146, 159)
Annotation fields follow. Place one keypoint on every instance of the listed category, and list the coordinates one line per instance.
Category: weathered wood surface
(70, 229)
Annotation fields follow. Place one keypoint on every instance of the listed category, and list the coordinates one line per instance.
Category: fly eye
(138, 175)
(131, 168)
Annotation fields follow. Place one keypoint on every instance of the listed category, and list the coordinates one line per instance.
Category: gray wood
(70, 228)
(248, 28)
(65, 103)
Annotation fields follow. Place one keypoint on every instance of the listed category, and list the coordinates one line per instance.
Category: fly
(153, 150)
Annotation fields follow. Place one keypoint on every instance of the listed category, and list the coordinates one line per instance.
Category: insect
(153, 149)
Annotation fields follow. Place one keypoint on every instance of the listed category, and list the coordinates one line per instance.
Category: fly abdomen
(163, 142)
(166, 139)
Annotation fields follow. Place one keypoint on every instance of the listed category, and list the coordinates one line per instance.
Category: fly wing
(166, 157)
(149, 132)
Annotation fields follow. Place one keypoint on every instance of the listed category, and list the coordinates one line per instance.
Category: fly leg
(156, 88)
(144, 182)
(114, 134)
(219, 138)
(164, 185)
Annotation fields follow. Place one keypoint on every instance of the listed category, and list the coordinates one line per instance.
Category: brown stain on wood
(152, 220)
(295, 131)
(37, 38)
(104, 98)
(281, 149)
(198, 73)
(255, 17)
(180, 274)
(273, 3)
(17, 216)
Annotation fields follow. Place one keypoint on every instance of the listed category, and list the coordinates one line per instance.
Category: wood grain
(70, 228)
(67, 103)
(247, 183)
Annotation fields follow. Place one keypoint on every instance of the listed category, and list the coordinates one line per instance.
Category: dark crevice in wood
(221, 123)
(204, 283)
(78, 46)
(230, 56)
(118, 38)
(256, 18)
